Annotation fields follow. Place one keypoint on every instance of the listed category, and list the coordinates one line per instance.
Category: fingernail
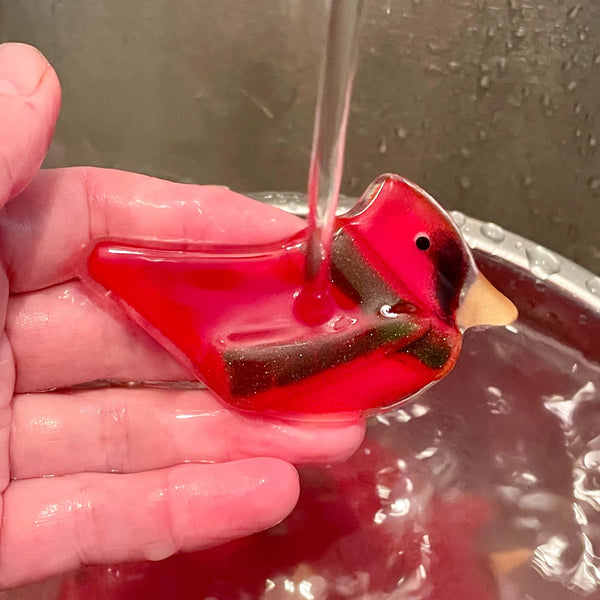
(21, 69)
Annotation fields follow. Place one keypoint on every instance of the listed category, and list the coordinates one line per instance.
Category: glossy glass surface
(239, 318)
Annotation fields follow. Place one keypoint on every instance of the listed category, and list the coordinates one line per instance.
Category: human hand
(139, 473)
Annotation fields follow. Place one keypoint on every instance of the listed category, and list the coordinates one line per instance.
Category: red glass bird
(404, 286)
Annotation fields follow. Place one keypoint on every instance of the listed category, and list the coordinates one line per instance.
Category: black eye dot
(422, 242)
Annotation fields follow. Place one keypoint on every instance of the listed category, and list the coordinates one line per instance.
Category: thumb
(29, 105)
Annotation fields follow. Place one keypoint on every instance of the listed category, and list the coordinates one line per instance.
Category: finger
(60, 338)
(129, 430)
(56, 524)
(43, 231)
(29, 105)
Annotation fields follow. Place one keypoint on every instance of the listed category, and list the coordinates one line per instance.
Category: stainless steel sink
(490, 105)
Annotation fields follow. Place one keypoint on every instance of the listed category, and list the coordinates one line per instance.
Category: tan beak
(483, 304)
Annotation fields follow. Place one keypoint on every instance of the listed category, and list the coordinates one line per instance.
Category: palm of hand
(138, 473)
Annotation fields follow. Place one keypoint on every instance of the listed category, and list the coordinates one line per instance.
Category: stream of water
(327, 158)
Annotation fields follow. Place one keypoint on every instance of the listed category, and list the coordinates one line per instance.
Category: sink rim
(571, 279)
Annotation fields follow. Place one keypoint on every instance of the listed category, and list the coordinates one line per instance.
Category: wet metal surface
(490, 105)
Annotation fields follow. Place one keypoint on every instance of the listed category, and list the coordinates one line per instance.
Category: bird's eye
(422, 242)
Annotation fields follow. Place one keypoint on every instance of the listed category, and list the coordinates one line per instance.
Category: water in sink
(484, 487)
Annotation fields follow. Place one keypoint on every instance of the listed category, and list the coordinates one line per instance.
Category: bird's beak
(483, 304)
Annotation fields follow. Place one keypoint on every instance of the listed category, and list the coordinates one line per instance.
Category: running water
(314, 304)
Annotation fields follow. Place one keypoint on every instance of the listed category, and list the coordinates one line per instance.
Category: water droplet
(484, 82)
(382, 148)
(519, 245)
(493, 232)
(481, 135)
(597, 59)
(520, 32)
(465, 182)
(526, 180)
(593, 285)
(576, 108)
(594, 183)
(571, 86)
(542, 262)
(342, 322)
(435, 47)
(583, 319)
(592, 141)
(465, 152)
(573, 11)
(458, 217)
(401, 132)
(433, 68)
